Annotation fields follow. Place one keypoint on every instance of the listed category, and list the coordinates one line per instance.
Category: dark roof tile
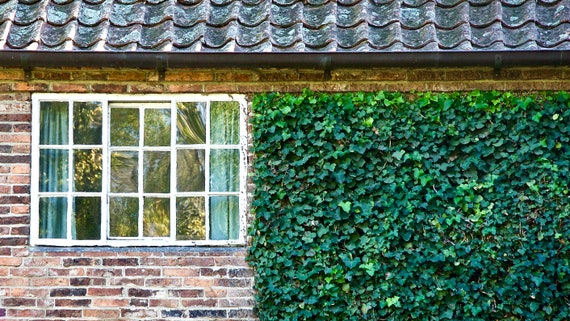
(284, 25)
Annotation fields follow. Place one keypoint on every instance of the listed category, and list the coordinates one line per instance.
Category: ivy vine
(418, 206)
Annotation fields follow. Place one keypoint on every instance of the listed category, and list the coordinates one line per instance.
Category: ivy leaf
(399, 154)
(345, 205)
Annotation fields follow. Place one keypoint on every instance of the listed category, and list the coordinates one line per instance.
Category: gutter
(327, 61)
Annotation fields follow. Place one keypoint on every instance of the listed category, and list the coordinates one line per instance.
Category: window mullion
(173, 169)
(207, 169)
(70, 172)
(140, 177)
(105, 140)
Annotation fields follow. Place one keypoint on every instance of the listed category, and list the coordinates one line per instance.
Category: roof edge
(315, 60)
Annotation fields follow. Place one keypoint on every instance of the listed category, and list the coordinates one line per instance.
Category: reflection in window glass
(156, 172)
(190, 218)
(87, 218)
(87, 123)
(87, 170)
(156, 220)
(124, 127)
(191, 170)
(123, 217)
(124, 172)
(191, 123)
(157, 127)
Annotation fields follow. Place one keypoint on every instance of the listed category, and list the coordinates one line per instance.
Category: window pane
(224, 170)
(124, 126)
(53, 217)
(54, 170)
(87, 123)
(156, 221)
(157, 127)
(88, 169)
(190, 218)
(191, 170)
(156, 172)
(54, 123)
(224, 117)
(123, 217)
(87, 215)
(124, 172)
(224, 217)
(191, 123)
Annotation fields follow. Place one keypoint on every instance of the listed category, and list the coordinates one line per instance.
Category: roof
(284, 26)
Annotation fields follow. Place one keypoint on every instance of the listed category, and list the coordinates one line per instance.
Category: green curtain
(54, 169)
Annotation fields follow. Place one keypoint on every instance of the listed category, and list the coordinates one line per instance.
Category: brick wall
(44, 283)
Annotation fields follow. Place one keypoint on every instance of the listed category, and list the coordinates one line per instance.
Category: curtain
(54, 168)
(224, 170)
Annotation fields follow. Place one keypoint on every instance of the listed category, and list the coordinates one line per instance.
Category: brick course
(45, 283)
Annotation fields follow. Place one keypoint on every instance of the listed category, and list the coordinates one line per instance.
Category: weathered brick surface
(167, 284)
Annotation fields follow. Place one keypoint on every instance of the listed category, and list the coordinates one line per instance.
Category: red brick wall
(45, 283)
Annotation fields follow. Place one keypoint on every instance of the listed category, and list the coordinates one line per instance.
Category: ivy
(421, 206)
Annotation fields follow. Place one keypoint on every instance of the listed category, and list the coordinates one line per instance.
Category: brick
(28, 272)
(66, 271)
(138, 313)
(62, 292)
(207, 314)
(16, 117)
(59, 87)
(241, 313)
(13, 241)
(121, 262)
(172, 313)
(10, 261)
(104, 291)
(163, 282)
(142, 272)
(138, 302)
(26, 313)
(186, 293)
(163, 303)
(213, 272)
(241, 283)
(195, 261)
(14, 220)
(109, 88)
(21, 230)
(31, 87)
(63, 313)
(240, 273)
(78, 262)
(141, 293)
(72, 303)
(116, 302)
(128, 281)
(199, 303)
(19, 302)
(182, 272)
(100, 314)
(21, 189)
(86, 281)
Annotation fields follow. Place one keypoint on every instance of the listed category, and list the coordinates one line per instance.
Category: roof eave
(313, 60)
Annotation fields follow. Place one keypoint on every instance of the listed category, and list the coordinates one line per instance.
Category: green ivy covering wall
(385, 206)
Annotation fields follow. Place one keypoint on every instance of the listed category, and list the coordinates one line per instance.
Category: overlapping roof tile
(284, 25)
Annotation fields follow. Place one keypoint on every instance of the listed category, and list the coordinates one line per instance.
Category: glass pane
(123, 217)
(87, 123)
(124, 127)
(190, 218)
(54, 170)
(54, 123)
(224, 217)
(156, 220)
(124, 172)
(53, 217)
(191, 123)
(87, 215)
(224, 170)
(191, 170)
(157, 127)
(156, 172)
(88, 169)
(224, 118)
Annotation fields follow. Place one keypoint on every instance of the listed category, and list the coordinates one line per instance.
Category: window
(138, 170)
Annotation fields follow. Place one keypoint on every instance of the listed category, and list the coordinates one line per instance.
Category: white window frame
(35, 240)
